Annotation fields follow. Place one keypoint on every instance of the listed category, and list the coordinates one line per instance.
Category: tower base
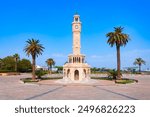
(76, 70)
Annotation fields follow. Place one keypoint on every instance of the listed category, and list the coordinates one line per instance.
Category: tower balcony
(77, 59)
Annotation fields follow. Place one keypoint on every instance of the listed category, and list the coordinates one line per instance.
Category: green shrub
(52, 78)
(125, 81)
(113, 74)
(40, 73)
(29, 80)
(101, 78)
(6, 71)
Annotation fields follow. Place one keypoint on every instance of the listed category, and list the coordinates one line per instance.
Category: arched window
(76, 75)
(68, 71)
(85, 73)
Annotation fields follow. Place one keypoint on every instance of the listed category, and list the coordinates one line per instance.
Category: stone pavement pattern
(12, 89)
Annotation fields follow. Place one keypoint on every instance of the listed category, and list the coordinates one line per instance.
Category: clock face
(76, 26)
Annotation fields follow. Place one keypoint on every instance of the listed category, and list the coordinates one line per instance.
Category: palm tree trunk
(139, 68)
(33, 68)
(50, 69)
(118, 63)
(15, 66)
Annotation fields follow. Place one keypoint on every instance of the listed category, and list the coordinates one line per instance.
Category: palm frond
(117, 37)
(33, 47)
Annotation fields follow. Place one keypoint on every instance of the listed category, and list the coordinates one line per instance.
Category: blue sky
(50, 22)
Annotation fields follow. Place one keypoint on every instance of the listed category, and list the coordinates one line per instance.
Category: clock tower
(76, 29)
(76, 69)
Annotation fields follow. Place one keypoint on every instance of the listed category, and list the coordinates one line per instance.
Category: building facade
(76, 69)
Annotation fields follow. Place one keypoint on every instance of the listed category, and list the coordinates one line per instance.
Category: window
(76, 19)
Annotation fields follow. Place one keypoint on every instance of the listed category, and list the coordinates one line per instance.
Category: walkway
(12, 88)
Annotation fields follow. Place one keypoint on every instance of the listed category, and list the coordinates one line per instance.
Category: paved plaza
(12, 89)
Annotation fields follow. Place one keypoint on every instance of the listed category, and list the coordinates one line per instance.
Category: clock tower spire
(76, 29)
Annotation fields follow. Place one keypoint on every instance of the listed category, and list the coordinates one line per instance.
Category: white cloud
(58, 55)
(136, 53)
(127, 58)
(103, 57)
(95, 56)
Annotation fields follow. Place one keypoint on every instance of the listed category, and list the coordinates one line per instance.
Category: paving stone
(12, 89)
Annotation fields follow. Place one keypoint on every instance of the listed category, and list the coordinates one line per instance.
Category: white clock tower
(76, 69)
(76, 29)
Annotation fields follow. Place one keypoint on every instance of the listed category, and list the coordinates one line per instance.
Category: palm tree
(16, 58)
(50, 62)
(33, 48)
(1, 62)
(119, 39)
(139, 61)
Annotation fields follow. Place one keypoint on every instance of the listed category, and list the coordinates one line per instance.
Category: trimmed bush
(101, 78)
(40, 73)
(28, 80)
(125, 81)
(113, 74)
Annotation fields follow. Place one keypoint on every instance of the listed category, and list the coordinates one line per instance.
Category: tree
(16, 58)
(94, 70)
(118, 39)
(8, 63)
(139, 62)
(50, 62)
(1, 62)
(59, 68)
(24, 65)
(33, 48)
